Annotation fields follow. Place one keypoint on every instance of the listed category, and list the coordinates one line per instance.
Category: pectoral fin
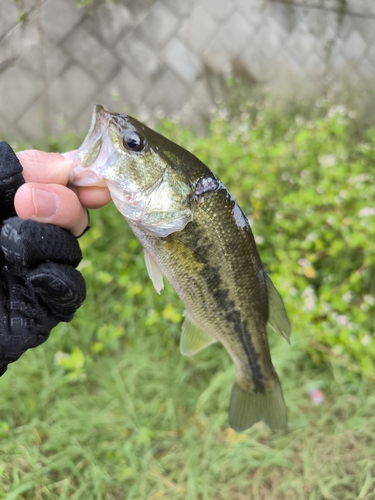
(154, 272)
(277, 317)
(193, 339)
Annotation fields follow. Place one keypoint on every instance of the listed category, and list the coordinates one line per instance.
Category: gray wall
(167, 56)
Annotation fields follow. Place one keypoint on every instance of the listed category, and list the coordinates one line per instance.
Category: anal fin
(193, 339)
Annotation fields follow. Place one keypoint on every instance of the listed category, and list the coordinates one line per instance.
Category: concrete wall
(152, 56)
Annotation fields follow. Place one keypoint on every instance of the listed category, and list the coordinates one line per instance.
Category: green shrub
(108, 408)
(307, 184)
(308, 187)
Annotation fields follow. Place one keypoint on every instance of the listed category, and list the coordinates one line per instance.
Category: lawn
(109, 409)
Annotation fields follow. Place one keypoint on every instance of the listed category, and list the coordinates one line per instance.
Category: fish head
(141, 169)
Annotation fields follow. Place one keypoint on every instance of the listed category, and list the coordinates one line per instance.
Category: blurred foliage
(108, 408)
(307, 184)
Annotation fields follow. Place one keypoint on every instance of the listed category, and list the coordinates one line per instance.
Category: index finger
(43, 167)
(54, 168)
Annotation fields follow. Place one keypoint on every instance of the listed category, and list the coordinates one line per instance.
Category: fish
(195, 235)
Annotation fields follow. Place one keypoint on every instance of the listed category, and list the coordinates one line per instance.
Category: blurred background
(60, 57)
(277, 98)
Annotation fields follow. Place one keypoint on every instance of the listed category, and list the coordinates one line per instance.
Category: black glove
(39, 285)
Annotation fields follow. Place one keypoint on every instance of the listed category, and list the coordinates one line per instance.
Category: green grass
(108, 409)
(146, 423)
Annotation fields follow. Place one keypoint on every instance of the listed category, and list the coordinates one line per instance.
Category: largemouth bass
(194, 233)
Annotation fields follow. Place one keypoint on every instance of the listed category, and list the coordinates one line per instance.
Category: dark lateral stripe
(211, 276)
(241, 329)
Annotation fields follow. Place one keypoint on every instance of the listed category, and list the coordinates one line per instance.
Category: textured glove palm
(39, 285)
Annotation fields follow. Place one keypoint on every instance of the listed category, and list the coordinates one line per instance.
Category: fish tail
(246, 408)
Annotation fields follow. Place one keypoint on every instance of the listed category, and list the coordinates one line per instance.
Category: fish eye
(133, 141)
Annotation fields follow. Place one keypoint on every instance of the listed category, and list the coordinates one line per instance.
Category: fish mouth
(97, 147)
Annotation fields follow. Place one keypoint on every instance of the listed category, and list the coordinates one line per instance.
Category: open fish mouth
(93, 154)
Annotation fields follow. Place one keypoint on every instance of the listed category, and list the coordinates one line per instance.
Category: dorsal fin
(154, 272)
(193, 339)
(277, 316)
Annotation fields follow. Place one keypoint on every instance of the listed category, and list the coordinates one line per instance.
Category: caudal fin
(247, 408)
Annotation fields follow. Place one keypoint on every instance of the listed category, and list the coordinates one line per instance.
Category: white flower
(366, 340)
(327, 160)
(367, 211)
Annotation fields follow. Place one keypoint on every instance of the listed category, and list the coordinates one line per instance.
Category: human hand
(39, 285)
(46, 196)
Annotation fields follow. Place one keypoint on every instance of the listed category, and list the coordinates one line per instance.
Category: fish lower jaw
(128, 204)
(82, 176)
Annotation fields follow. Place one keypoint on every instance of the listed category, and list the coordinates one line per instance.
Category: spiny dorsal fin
(277, 316)
(154, 272)
(193, 339)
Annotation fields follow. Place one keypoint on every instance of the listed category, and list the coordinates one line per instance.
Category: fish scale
(235, 299)
(194, 233)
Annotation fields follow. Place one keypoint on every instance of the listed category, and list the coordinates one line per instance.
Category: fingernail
(46, 204)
